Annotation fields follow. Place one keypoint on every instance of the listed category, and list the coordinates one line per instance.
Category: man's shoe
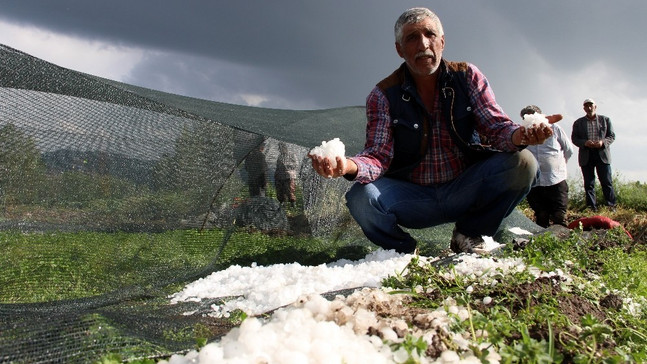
(464, 244)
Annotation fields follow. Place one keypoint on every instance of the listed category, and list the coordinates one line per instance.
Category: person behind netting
(424, 163)
(285, 175)
(548, 198)
(593, 135)
(256, 167)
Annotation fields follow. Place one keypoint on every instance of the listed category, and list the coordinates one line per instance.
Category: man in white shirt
(549, 196)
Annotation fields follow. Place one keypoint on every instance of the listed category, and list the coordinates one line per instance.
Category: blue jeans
(604, 175)
(477, 201)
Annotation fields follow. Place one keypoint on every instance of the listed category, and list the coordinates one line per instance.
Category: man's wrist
(351, 170)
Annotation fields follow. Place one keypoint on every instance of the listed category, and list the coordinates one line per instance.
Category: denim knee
(524, 172)
(356, 199)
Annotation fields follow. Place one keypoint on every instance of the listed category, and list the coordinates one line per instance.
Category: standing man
(439, 148)
(549, 197)
(593, 134)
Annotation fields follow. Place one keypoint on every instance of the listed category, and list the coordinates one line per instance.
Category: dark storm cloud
(581, 32)
(296, 54)
(311, 47)
(274, 34)
(330, 53)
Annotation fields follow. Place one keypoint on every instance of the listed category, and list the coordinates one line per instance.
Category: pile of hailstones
(364, 327)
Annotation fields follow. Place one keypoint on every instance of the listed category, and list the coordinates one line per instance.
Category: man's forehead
(424, 24)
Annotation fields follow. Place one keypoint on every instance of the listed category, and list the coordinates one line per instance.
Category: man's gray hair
(415, 15)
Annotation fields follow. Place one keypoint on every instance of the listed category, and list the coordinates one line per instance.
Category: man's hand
(324, 168)
(536, 134)
(595, 145)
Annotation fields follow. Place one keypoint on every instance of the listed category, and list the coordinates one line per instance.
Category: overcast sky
(296, 54)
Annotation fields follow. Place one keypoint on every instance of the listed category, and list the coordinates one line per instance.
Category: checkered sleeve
(376, 157)
(492, 121)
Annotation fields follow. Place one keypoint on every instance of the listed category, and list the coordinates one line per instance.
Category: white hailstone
(179, 359)
(400, 326)
(463, 314)
(460, 341)
(487, 300)
(342, 316)
(301, 301)
(231, 347)
(362, 320)
(400, 355)
(453, 310)
(337, 304)
(481, 334)
(428, 336)
(320, 352)
(519, 231)
(388, 334)
(534, 119)
(449, 301)
(441, 319)
(492, 356)
(319, 306)
(471, 360)
(449, 357)
(211, 351)
(376, 341)
(469, 289)
(423, 320)
(291, 357)
(331, 149)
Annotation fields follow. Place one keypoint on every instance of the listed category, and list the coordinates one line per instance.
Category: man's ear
(398, 48)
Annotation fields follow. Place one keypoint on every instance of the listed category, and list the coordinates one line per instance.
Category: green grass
(53, 266)
(529, 327)
(39, 267)
(546, 321)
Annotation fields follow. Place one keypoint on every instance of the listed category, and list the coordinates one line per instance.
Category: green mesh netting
(112, 197)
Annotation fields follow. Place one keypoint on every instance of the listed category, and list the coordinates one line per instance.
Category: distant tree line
(118, 192)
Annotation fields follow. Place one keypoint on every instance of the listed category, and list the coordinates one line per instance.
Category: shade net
(113, 197)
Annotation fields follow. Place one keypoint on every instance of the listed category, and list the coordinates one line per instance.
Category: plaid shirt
(444, 160)
(593, 129)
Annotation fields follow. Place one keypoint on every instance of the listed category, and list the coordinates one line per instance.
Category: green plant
(530, 350)
(414, 347)
(528, 323)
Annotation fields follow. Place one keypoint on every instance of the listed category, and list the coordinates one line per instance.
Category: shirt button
(469, 108)
(415, 126)
(395, 121)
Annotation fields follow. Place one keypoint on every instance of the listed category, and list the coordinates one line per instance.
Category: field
(593, 311)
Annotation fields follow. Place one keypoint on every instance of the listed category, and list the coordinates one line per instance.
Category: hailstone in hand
(331, 149)
(530, 120)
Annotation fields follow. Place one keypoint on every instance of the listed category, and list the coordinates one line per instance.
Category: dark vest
(408, 117)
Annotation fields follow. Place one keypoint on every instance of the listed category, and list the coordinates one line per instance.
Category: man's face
(422, 47)
(589, 109)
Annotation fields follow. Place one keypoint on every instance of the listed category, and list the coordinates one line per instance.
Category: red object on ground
(596, 222)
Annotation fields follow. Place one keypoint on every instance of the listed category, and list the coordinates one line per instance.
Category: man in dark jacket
(593, 134)
(439, 148)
